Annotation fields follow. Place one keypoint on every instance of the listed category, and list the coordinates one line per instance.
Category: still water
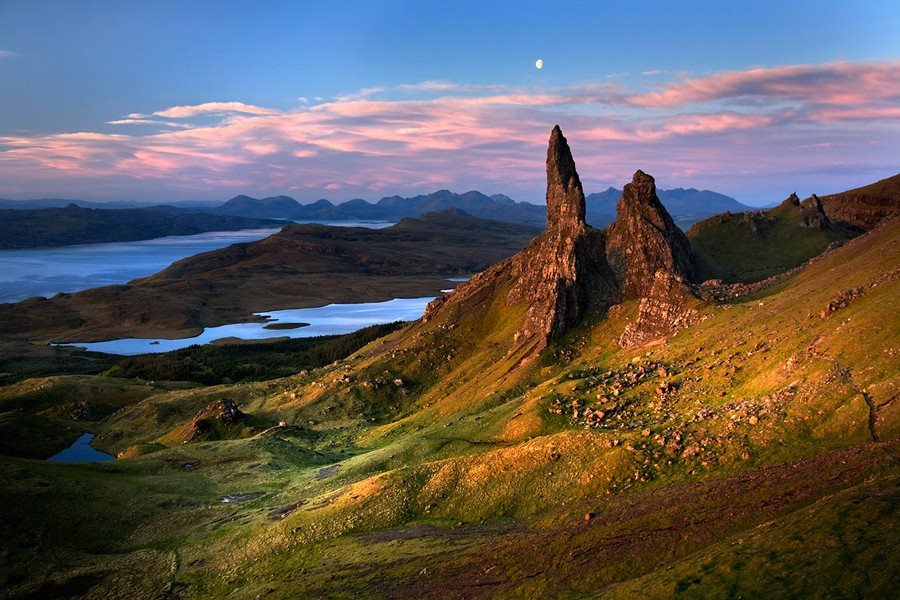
(323, 320)
(81, 451)
(47, 271)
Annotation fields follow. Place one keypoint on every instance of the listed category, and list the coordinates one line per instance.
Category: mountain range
(686, 206)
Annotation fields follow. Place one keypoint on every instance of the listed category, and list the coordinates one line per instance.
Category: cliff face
(644, 239)
(864, 208)
(572, 269)
(669, 307)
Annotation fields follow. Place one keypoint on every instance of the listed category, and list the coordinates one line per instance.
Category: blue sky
(365, 99)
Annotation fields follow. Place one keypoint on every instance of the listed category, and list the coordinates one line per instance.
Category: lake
(81, 451)
(323, 320)
(47, 271)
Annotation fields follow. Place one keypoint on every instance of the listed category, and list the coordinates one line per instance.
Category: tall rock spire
(563, 272)
(644, 239)
(565, 196)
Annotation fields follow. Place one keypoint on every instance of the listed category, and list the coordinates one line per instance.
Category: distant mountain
(76, 225)
(277, 207)
(390, 208)
(687, 206)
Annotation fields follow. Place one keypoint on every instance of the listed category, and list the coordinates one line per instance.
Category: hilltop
(578, 420)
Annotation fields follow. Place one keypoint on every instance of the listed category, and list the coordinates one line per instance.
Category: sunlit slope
(432, 459)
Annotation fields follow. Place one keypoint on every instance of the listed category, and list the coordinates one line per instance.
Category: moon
(539, 64)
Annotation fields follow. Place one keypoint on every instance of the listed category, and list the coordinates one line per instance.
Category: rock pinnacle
(644, 239)
(565, 196)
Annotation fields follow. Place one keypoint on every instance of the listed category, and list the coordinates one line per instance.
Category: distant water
(81, 452)
(367, 224)
(324, 320)
(47, 271)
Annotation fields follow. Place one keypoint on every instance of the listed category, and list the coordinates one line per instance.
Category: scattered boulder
(840, 301)
(220, 412)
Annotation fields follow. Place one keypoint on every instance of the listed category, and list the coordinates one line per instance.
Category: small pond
(81, 451)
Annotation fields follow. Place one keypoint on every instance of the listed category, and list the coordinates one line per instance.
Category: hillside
(574, 422)
(75, 225)
(303, 265)
(751, 246)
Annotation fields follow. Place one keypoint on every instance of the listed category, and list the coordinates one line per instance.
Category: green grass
(459, 482)
(728, 248)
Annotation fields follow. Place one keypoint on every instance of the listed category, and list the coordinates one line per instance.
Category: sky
(190, 100)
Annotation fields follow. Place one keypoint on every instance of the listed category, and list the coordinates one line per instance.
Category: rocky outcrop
(572, 269)
(644, 239)
(670, 307)
(557, 272)
(792, 200)
(561, 274)
(812, 215)
(565, 196)
(222, 412)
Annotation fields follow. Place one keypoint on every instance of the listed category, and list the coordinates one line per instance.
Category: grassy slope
(458, 482)
(728, 248)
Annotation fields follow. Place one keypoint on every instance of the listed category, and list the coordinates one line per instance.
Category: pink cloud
(181, 112)
(831, 83)
(466, 137)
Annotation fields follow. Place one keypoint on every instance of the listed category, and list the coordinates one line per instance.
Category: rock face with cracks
(671, 306)
(563, 273)
(644, 239)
